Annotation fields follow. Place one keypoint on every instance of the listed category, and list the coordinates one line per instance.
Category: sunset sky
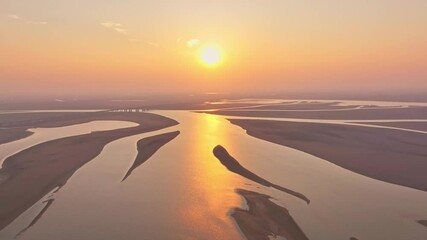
(50, 47)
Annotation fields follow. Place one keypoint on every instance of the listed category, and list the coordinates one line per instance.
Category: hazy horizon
(102, 48)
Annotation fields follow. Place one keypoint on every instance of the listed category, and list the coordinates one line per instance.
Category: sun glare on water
(210, 55)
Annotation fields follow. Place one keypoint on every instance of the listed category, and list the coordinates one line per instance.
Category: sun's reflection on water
(211, 182)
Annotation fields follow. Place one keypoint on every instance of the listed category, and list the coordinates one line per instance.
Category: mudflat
(147, 147)
(234, 166)
(353, 114)
(393, 156)
(264, 219)
(308, 106)
(420, 126)
(32, 173)
(423, 222)
(13, 134)
(15, 126)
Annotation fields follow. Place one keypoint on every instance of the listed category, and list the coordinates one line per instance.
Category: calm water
(46, 134)
(183, 192)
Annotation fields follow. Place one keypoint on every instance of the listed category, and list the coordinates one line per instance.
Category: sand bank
(13, 134)
(35, 171)
(48, 203)
(149, 146)
(389, 155)
(423, 222)
(34, 119)
(305, 106)
(265, 218)
(200, 106)
(357, 114)
(16, 125)
(234, 166)
(420, 126)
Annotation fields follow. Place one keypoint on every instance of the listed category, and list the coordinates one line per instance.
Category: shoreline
(356, 114)
(265, 218)
(384, 154)
(234, 166)
(15, 126)
(8, 135)
(147, 147)
(418, 126)
(35, 171)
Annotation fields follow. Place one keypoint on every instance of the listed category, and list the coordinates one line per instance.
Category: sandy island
(356, 114)
(147, 147)
(389, 155)
(13, 134)
(48, 203)
(15, 126)
(234, 166)
(265, 218)
(32, 173)
(304, 105)
(423, 222)
(419, 126)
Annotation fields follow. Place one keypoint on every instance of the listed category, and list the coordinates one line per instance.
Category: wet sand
(234, 166)
(357, 114)
(199, 106)
(147, 147)
(16, 125)
(265, 219)
(423, 222)
(389, 155)
(34, 172)
(35, 119)
(38, 216)
(305, 106)
(420, 126)
(13, 134)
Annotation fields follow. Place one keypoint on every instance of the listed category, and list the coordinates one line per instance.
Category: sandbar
(32, 173)
(234, 166)
(265, 218)
(419, 126)
(389, 155)
(147, 147)
(356, 114)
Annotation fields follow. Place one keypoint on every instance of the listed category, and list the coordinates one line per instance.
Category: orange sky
(107, 46)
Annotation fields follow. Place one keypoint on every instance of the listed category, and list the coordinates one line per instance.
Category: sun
(210, 55)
